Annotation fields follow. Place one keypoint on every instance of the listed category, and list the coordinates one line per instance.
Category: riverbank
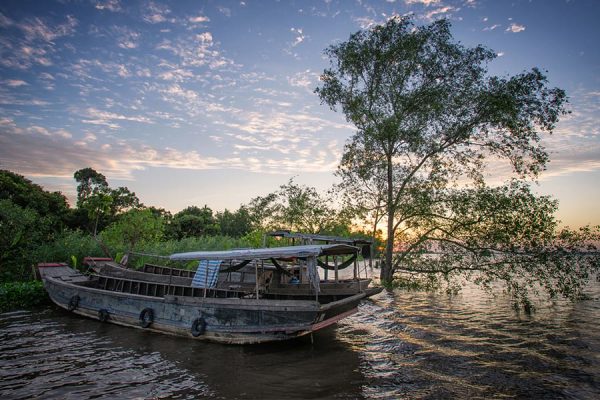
(22, 295)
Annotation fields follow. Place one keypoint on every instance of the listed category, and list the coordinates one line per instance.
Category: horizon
(212, 103)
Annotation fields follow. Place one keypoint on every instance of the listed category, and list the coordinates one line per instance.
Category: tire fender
(103, 315)
(198, 327)
(146, 317)
(73, 303)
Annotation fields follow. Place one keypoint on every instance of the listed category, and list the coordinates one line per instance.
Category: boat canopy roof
(320, 238)
(267, 253)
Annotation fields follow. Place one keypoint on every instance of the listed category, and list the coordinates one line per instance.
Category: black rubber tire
(73, 303)
(103, 315)
(146, 317)
(198, 327)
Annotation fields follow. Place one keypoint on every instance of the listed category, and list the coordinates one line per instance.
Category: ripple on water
(39, 358)
(418, 345)
(400, 345)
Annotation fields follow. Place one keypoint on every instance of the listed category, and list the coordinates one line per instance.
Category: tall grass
(71, 247)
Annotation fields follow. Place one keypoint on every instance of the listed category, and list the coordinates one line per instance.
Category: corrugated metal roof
(321, 238)
(266, 253)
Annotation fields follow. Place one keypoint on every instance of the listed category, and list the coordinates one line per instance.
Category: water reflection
(399, 345)
(53, 354)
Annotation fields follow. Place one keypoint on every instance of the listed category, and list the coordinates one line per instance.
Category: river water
(400, 344)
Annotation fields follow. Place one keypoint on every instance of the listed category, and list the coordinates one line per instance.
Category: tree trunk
(386, 271)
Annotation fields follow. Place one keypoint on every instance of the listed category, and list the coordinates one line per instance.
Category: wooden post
(335, 264)
(326, 273)
(206, 277)
(256, 277)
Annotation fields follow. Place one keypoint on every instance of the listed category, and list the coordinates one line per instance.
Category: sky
(212, 102)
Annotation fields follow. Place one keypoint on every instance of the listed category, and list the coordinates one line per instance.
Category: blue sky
(211, 102)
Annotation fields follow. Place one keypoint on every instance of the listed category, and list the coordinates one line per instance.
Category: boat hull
(224, 320)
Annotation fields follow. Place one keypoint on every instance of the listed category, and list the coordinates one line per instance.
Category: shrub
(17, 295)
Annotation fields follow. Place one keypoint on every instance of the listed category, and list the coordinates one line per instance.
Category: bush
(17, 295)
(70, 244)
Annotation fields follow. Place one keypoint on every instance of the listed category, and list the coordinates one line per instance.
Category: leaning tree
(431, 124)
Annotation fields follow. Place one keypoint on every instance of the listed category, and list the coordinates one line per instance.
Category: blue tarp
(206, 274)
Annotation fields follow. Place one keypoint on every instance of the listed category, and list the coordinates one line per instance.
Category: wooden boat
(209, 312)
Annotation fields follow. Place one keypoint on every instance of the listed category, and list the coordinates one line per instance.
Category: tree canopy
(430, 120)
(29, 216)
(98, 204)
(298, 208)
(192, 222)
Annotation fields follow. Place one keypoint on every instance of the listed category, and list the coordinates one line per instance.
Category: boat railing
(160, 289)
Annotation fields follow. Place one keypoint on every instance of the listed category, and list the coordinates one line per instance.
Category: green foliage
(70, 245)
(192, 222)
(122, 200)
(89, 183)
(429, 119)
(167, 247)
(29, 218)
(133, 228)
(298, 208)
(23, 193)
(19, 295)
(234, 224)
(101, 203)
(20, 233)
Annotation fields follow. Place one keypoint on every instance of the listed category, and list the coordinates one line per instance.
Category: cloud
(178, 91)
(176, 74)
(110, 5)
(37, 29)
(439, 12)
(365, 22)
(36, 44)
(491, 28)
(300, 36)
(40, 130)
(25, 151)
(306, 79)
(197, 52)
(122, 71)
(224, 10)
(426, 3)
(515, 28)
(575, 144)
(15, 83)
(156, 13)
(16, 98)
(106, 118)
(199, 19)
(127, 38)
(5, 22)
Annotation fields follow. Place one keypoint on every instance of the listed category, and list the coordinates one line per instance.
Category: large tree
(234, 224)
(429, 120)
(298, 208)
(98, 204)
(192, 222)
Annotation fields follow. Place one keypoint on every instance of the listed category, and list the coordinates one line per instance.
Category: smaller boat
(199, 307)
